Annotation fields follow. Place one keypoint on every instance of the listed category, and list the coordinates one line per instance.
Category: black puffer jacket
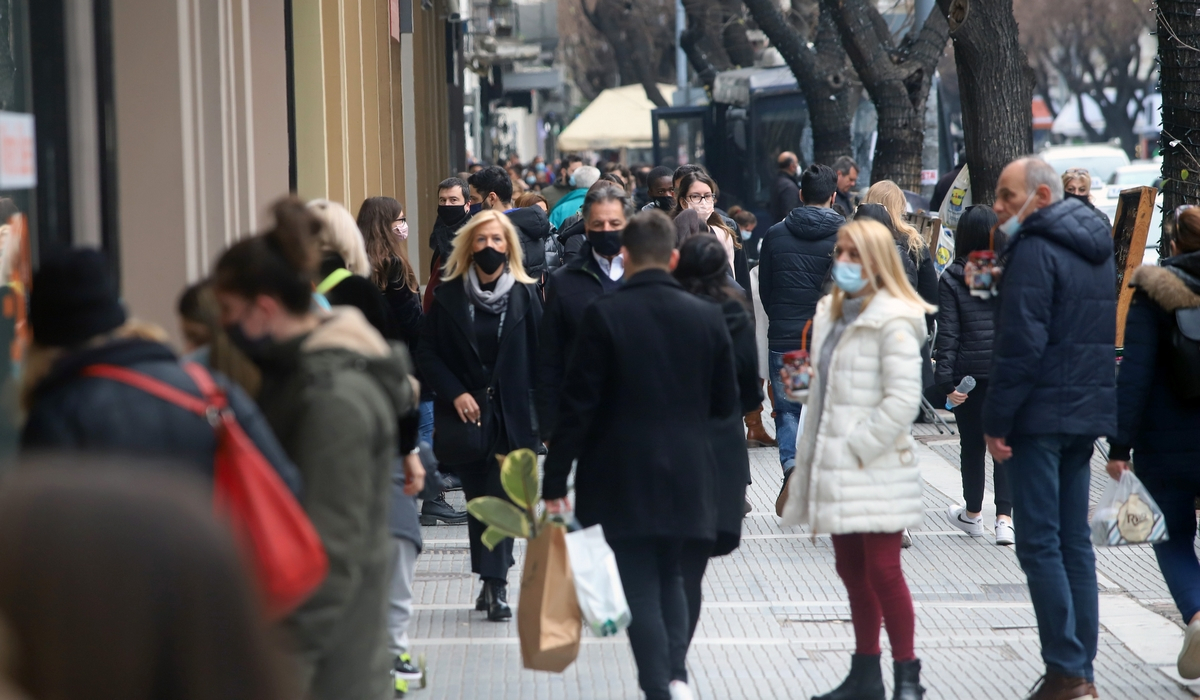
(532, 228)
(1054, 366)
(71, 412)
(796, 255)
(572, 235)
(966, 330)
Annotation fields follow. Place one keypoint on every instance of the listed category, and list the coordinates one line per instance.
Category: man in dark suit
(785, 192)
(652, 366)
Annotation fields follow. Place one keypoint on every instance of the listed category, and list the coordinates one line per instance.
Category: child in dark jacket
(966, 326)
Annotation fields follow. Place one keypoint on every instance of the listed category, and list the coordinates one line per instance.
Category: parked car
(1142, 173)
(1101, 161)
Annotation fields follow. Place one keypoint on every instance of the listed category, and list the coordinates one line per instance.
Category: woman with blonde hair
(856, 474)
(1077, 184)
(478, 350)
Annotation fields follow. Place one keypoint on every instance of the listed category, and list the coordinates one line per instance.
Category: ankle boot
(756, 434)
(496, 594)
(481, 603)
(908, 680)
(865, 681)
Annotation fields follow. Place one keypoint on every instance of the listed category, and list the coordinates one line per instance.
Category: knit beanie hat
(73, 299)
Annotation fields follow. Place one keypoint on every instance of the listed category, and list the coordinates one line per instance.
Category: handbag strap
(208, 407)
(804, 335)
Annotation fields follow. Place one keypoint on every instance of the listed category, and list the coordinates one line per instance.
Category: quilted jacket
(966, 329)
(796, 255)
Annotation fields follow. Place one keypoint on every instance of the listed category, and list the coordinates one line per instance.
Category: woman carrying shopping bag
(856, 471)
(966, 326)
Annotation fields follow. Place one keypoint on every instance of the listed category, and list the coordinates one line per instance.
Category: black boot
(438, 509)
(908, 680)
(496, 593)
(481, 602)
(865, 681)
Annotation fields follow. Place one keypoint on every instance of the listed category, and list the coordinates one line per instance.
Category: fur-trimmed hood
(1165, 286)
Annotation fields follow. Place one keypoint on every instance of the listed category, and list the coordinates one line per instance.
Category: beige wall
(351, 83)
(201, 113)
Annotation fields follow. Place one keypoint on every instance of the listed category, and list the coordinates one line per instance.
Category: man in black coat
(652, 366)
(796, 256)
(785, 192)
(1052, 393)
(847, 179)
(454, 209)
(491, 188)
(595, 270)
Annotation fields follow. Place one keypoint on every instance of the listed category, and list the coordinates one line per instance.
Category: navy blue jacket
(796, 255)
(966, 327)
(1054, 362)
(71, 412)
(1162, 429)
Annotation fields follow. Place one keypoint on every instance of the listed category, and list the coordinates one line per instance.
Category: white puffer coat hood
(856, 464)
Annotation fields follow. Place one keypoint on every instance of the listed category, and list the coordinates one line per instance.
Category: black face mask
(451, 214)
(489, 260)
(1080, 197)
(665, 203)
(606, 243)
(257, 350)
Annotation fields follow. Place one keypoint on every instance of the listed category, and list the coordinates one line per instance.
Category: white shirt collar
(615, 269)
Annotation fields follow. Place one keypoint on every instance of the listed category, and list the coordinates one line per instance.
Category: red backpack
(273, 530)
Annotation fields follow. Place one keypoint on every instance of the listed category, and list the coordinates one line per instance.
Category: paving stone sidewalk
(776, 624)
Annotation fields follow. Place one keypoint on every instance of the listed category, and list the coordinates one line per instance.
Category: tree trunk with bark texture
(829, 85)
(996, 83)
(633, 46)
(897, 77)
(1179, 64)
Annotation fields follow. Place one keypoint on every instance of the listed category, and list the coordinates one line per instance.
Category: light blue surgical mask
(571, 180)
(848, 276)
(1009, 228)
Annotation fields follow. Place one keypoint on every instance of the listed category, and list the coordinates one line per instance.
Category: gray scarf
(495, 301)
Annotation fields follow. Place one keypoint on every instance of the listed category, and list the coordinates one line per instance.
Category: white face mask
(400, 228)
(704, 209)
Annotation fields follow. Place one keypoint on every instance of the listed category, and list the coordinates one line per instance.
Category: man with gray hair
(1052, 393)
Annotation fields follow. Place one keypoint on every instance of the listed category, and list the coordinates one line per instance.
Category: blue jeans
(1175, 490)
(425, 426)
(1050, 476)
(787, 415)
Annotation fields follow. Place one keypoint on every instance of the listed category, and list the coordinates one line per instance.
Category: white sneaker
(905, 539)
(1004, 532)
(680, 691)
(1189, 657)
(958, 518)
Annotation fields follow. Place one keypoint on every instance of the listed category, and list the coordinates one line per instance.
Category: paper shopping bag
(548, 618)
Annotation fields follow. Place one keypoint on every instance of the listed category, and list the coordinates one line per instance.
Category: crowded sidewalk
(775, 622)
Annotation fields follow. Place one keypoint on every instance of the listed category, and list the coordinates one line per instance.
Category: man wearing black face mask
(661, 188)
(596, 270)
(454, 209)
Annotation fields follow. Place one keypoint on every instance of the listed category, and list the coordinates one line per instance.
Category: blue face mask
(476, 208)
(848, 276)
(1009, 228)
(571, 180)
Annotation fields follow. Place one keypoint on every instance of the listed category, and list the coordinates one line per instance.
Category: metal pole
(681, 66)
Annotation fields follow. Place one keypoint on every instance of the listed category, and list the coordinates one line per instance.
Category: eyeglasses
(1076, 171)
(699, 198)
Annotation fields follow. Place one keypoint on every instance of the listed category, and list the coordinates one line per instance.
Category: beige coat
(856, 465)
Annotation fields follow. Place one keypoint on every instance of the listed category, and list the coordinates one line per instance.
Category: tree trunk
(829, 86)
(898, 79)
(996, 83)
(632, 46)
(1179, 63)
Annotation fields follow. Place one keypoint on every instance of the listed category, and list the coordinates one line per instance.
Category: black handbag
(458, 443)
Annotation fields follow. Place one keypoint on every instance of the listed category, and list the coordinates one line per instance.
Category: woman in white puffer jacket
(856, 473)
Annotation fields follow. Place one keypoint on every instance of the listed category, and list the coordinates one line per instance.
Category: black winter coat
(966, 329)
(795, 258)
(785, 196)
(71, 412)
(448, 356)
(652, 367)
(1160, 428)
(359, 292)
(568, 292)
(1054, 364)
(572, 235)
(533, 227)
(441, 240)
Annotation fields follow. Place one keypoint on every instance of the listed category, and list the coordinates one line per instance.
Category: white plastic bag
(1126, 514)
(957, 199)
(597, 582)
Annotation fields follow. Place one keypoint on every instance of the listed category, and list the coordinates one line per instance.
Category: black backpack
(1184, 355)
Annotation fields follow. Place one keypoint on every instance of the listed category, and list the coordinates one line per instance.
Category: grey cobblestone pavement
(776, 625)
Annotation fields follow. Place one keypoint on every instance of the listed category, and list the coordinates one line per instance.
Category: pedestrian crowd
(624, 325)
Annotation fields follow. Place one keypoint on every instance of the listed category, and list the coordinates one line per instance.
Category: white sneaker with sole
(958, 518)
(680, 691)
(1004, 533)
(905, 539)
(1189, 657)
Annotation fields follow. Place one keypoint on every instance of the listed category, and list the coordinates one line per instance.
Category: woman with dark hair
(120, 583)
(335, 392)
(478, 351)
(1158, 414)
(385, 232)
(697, 191)
(966, 328)
(703, 270)
(206, 341)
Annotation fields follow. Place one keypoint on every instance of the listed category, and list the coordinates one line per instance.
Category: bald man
(785, 194)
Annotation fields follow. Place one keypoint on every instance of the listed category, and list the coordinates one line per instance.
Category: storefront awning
(617, 118)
